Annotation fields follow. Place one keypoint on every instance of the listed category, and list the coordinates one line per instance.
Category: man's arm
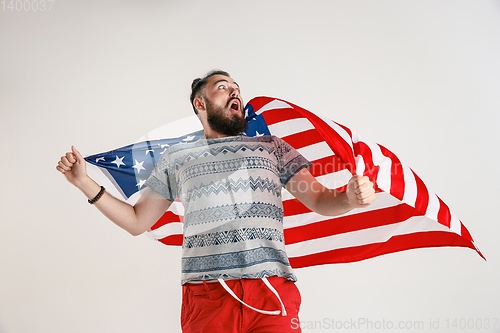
(324, 201)
(134, 219)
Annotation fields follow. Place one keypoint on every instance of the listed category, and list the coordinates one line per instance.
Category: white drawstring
(283, 311)
(274, 313)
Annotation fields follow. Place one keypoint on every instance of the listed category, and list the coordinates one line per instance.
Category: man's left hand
(360, 191)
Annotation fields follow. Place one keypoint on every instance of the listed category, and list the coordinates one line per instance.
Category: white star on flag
(138, 166)
(165, 148)
(140, 183)
(119, 161)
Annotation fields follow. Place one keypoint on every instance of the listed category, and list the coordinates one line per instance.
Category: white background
(420, 77)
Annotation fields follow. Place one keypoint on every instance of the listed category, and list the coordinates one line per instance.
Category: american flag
(405, 215)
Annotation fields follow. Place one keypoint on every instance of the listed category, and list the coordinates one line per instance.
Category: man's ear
(199, 103)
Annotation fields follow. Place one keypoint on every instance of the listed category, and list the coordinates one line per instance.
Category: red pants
(208, 307)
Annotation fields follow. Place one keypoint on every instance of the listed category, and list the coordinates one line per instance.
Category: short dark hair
(200, 83)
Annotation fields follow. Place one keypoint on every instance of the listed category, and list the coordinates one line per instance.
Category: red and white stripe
(405, 215)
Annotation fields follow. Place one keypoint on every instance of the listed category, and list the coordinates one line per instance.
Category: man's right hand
(73, 167)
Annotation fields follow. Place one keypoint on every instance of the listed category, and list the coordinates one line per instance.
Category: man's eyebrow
(224, 80)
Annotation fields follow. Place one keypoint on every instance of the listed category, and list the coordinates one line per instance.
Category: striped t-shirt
(230, 188)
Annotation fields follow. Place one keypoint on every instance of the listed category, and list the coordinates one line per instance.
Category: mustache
(233, 98)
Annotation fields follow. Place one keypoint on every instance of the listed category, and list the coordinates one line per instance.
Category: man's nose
(234, 92)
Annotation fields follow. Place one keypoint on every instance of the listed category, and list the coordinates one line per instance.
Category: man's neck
(214, 136)
(211, 134)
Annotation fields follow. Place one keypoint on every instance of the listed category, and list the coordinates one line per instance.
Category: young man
(235, 272)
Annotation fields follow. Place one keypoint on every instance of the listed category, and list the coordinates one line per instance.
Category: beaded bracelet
(98, 196)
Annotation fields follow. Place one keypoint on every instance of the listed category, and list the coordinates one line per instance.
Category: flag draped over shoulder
(405, 214)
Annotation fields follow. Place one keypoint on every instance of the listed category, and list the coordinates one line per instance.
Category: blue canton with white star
(256, 124)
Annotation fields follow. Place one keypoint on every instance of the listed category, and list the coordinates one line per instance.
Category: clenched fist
(73, 167)
(360, 191)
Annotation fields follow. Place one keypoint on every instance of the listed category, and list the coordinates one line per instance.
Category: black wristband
(98, 196)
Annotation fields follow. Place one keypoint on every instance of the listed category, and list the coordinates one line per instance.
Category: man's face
(225, 109)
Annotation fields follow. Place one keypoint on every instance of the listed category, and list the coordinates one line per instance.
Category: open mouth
(235, 105)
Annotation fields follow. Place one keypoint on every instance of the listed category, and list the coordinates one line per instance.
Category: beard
(231, 125)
